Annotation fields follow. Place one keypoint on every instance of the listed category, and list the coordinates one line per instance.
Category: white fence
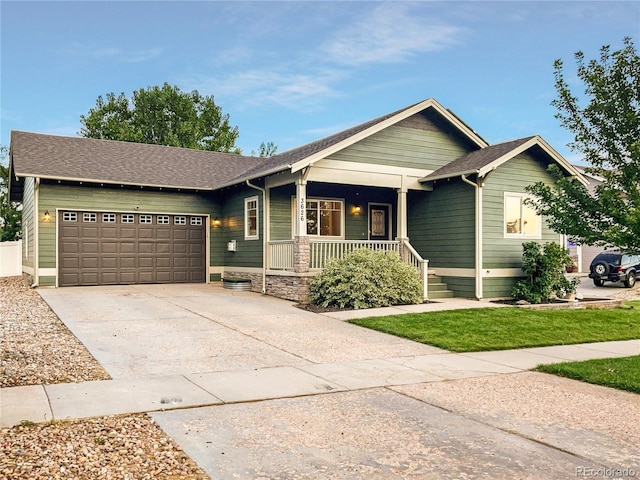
(10, 259)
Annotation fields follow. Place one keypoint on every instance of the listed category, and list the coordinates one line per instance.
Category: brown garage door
(105, 248)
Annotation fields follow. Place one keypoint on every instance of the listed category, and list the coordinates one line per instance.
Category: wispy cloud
(390, 33)
(111, 52)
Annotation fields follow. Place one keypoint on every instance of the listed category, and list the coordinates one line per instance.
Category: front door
(379, 222)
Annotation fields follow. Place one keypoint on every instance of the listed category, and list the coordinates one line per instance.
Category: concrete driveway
(144, 330)
(391, 408)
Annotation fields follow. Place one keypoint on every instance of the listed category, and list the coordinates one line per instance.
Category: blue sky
(292, 72)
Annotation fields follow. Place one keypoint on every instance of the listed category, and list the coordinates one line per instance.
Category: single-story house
(418, 181)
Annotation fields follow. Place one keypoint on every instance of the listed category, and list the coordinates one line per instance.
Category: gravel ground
(37, 348)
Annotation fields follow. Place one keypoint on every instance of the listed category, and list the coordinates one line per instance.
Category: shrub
(364, 279)
(545, 270)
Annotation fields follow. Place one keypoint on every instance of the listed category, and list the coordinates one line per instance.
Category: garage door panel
(128, 249)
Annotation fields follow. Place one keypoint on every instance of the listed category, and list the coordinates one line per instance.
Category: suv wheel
(631, 280)
(601, 268)
(598, 282)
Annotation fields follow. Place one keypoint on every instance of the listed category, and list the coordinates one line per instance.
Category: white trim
(256, 270)
(247, 235)
(27, 270)
(522, 197)
(502, 273)
(455, 272)
(48, 272)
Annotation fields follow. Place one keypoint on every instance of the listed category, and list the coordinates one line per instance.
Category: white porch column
(301, 206)
(402, 213)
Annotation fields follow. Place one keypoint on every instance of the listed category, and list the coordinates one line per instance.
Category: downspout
(265, 244)
(36, 233)
(478, 235)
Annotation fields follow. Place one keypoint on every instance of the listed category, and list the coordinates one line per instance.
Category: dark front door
(379, 222)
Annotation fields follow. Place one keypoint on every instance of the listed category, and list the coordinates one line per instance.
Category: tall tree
(163, 116)
(10, 213)
(607, 132)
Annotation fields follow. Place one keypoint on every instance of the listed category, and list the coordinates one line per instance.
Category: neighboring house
(418, 181)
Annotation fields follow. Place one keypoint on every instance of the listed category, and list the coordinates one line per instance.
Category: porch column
(402, 213)
(301, 246)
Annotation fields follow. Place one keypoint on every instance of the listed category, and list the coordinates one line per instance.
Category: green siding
(52, 196)
(421, 141)
(28, 224)
(248, 252)
(498, 287)
(442, 224)
(281, 212)
(513, 176)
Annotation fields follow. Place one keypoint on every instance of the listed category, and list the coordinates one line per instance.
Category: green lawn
(473, 330)
(621, 373)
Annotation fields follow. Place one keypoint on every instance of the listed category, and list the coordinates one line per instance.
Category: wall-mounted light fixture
(216, 222)
(356, 209)
(47, 216)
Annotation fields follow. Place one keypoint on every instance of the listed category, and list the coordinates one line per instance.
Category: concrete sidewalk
(43, 403)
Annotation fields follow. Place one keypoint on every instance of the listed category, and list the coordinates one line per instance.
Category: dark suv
(615, 267)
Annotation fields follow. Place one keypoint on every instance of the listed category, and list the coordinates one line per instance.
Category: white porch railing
(324, 250)
(281, 255)
(410, 256)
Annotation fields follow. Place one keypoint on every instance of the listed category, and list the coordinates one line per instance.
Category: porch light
(216, 222)
(357, 209)
(47, 217)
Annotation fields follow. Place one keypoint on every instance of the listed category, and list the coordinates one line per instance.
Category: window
(90, 217)
(108, 218)
(180, 220)
(163, 219)
(146, 219)
(251, 218)
(520, 219)
(196, 220)
(324, 218)
(127, 218)
(69, 217)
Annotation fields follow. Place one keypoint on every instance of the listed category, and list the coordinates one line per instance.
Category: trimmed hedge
(364, 279)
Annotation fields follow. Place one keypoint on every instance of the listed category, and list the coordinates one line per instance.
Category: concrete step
(437, 287)
(440, 294)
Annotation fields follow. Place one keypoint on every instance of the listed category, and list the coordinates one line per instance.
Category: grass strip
(482, 329)
(621, 373)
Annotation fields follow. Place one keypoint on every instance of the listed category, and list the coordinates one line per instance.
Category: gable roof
(126, 163)
(300, 157)
(482, 162)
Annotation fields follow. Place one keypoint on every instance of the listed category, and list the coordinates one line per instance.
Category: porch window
(251, 218)
(520, 220)
(324, 217)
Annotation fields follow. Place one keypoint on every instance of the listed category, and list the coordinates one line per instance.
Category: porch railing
(324, 250)
(281, 255)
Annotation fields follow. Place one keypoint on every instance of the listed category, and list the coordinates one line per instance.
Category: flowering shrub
(364, 279)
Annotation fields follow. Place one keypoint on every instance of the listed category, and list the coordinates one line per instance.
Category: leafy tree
(10, 215)
(268, 149)
(163, 116)
(607, 132)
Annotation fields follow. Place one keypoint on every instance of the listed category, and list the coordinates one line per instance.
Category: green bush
(545, 270)
(364, 279)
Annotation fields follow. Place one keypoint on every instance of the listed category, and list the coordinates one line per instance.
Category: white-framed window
(179, 220)
(163, 219)
(520, 219)
(325, 218)
(196, 220)
(69, 217)
(108, 218)
(251, 218)
(145, 219)
(89, 217)
(127, 218)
